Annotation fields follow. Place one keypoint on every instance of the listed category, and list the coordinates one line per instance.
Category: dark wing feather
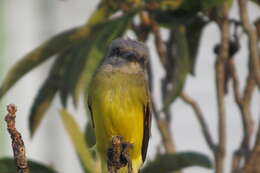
(91, 114)
(147, 129)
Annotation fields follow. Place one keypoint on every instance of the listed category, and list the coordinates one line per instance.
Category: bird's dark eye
(129, 55)
(116, 51)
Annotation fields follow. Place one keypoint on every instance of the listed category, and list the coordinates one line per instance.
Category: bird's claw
(118, 155)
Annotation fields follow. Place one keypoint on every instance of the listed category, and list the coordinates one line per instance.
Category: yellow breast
(117, 101)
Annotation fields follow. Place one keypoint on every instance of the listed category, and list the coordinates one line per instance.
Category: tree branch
(159, 43)
(163, 127)
(252, 36)
(251, 162)
(17, 141)
(204, 127)
(219, 67)
(244, 107)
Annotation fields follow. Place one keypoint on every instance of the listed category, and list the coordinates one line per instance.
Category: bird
(120, 104)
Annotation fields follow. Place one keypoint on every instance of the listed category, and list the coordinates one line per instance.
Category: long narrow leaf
(36, 57)
(50, 48)
(72, 70)
(193, 39)
(46, 93)
(78, 140)
(90, 135)
(57, 75)
(180, 64)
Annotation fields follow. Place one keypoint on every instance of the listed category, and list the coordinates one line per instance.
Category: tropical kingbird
(119, 101)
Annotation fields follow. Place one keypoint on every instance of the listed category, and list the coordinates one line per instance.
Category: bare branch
(163, 127)
(252, 36)
(17, 141)
(236, 88)
(159, 43)
(257, 25)
(250, 85)
(243, 102)
(251, 162)
(244, 107)
(220, 62)
(204, 127)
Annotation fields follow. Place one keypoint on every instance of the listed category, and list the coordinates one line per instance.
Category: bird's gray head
(123, 51)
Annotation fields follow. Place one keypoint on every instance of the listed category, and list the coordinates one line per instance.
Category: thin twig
(162, 124)
(251, 161)
(204, 127)
(159, 43)
(257, 25)
(163, 127)
(220, 62)
(17, 141)
(243, 103)
(252, 36)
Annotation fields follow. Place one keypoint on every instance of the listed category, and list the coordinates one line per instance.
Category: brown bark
(252, 38)
(219, 67)
(17, 141)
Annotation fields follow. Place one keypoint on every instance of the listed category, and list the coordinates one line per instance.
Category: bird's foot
(118, 155)
(125, 157)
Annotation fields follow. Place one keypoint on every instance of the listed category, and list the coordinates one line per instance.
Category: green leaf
(77, 138)
(90, 136)
(193, 39)
(256, 2)
(72, 70)
(171, 18)
(7, 165)
(199, 5)
(46, 93)
(68, 44)
(167, 163)
(36, 57)
(99, 44)
(88, 56)
(81, 52)
(51, 47)
(185, 12)
(178, 67)
(165, 4)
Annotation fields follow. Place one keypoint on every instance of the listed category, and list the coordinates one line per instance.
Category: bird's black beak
(130, 55)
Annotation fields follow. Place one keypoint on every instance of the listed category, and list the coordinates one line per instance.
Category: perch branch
(17, 141)
(252, 36)
(205, 130)
(118, 155)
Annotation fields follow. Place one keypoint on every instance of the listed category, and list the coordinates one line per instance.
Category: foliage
(79, 51)
(174, 162)
(78, 140)
(7, 165)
